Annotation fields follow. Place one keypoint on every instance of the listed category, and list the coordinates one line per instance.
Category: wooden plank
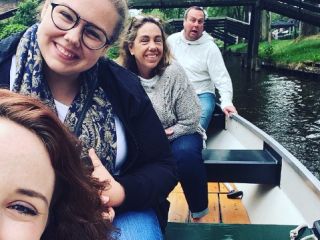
(179, 210)
(178, 189)
(213, 187)
(213, 215)
(223, 188)
(233, 211)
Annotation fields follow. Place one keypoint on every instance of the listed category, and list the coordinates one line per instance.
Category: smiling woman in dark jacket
(59, 61)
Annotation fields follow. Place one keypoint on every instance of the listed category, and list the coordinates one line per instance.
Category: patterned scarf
(98, 128)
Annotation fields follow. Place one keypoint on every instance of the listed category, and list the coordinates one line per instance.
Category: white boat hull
(295, 201)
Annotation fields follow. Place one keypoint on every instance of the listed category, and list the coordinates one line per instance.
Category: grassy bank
(287, 51)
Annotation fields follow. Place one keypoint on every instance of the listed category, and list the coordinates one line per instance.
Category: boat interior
(246, 163)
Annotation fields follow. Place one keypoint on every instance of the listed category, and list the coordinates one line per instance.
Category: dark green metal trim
(220, 231)
(184, 4)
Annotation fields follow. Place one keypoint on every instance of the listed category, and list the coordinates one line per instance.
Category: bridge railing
(227, 29)
(7, 14)
(305, 11)
(138, 4)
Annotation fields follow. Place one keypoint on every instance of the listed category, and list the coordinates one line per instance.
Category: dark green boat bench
(243, 166)
(219, 231)
(240, 166)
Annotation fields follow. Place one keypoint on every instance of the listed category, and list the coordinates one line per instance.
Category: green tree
(27, 13)
(166, 13)
(25, 16)
(10, 29)
(237, 12)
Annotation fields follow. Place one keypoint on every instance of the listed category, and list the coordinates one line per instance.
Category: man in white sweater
(196, 51)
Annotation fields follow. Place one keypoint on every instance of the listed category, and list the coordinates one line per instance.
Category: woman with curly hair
(46, 193)
(60, 60)
(144, 51)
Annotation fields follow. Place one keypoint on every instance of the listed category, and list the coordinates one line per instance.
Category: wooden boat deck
(221, 208)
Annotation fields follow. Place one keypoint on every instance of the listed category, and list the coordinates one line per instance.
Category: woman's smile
(152, 57)
(65, 53)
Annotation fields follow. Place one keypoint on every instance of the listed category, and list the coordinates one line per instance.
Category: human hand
(109, 214)
(168, 131)
(228, 110)
(99, 171)
(113, 190)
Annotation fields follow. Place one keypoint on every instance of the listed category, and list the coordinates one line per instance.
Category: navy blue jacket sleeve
(149, 173)
(150, 177)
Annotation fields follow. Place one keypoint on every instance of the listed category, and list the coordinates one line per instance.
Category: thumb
(105, 199)
(96, 162)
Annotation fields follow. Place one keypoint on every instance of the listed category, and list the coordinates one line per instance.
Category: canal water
(285, 106)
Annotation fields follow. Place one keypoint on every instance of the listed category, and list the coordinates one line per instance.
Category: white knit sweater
(175, 101)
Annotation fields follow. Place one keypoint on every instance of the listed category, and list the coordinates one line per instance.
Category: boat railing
(299, 168)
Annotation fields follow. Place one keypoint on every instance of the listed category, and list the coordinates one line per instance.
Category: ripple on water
(285, 107)
(313, 136)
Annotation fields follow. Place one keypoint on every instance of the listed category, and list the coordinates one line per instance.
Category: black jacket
(148, 175)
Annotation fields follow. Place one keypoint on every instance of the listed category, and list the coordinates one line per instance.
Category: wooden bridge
(304, 10)
(226, 29)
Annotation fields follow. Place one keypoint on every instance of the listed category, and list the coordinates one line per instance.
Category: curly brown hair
(129, 35)
(76, 208)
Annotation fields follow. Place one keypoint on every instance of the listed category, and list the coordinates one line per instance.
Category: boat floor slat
(221, 209)
(232, 210)
(179, 210)
(213, 215)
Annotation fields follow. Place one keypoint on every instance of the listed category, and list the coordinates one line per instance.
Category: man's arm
(221, 79)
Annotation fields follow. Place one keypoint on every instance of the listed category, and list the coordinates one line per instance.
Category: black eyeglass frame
(54, 5)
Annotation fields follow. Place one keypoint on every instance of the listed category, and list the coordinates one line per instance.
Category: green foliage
(287, 51)
(166, 13)
(237, 12)
(3, 24)
(27, 13)
(25, 16)
(113, 52)
(268, 51)
(277, 17)
(241, 47)
(8, 30)
(156, 13)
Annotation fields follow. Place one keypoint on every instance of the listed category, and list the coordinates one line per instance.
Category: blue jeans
(208, 103)
(187, 151)
(138, 225)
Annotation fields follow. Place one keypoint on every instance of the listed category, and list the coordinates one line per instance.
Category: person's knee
(138, 225)
(185, 153)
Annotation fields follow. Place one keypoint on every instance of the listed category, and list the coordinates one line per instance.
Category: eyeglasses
(66, 18)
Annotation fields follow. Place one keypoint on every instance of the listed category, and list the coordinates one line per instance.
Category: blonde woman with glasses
(60, 61)
(144, 51)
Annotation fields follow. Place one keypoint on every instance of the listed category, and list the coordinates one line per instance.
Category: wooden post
(254, 37)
